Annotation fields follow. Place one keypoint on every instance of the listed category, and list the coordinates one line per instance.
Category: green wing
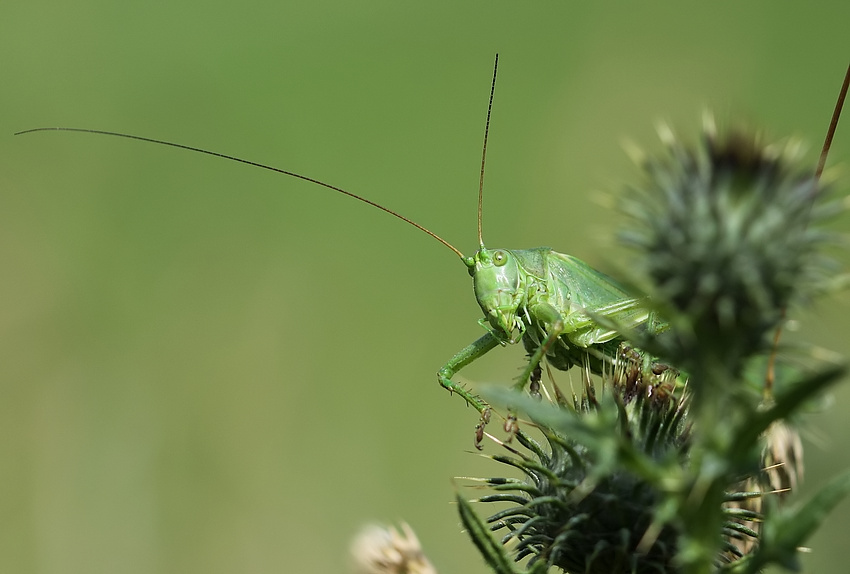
(580, 292)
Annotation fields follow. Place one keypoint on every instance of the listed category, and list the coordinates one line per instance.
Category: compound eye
(500, 258)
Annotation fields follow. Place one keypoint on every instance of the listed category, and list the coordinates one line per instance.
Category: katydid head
(499, 285)
(498, 281)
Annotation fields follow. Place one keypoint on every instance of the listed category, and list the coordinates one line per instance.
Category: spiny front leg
(554, 322)
(467, 355)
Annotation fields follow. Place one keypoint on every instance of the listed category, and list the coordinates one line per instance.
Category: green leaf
(788, 402)
(493, 552)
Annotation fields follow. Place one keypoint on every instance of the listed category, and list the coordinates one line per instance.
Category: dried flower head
(386, 550)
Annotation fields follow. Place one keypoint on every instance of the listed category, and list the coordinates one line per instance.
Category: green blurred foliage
(210, 368)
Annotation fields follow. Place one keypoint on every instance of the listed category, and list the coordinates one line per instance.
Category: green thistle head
(594, 504)
(727, 236)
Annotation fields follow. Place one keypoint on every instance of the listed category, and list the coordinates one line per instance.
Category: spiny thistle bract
(590, 496)
(658, 471)
(573, 510)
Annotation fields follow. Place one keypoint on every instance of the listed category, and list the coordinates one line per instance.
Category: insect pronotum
(547, 300)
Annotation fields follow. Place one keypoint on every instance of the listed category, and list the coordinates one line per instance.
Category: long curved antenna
(833, 124)
(255, 164)
(484, 153)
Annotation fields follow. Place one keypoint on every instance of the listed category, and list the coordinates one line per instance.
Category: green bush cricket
(548, 300)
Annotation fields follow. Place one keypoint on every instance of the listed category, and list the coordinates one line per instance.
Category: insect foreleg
(580, 328)
(554, 321)
(470, 353)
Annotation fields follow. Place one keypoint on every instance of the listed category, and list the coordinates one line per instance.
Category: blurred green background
(211, 368)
